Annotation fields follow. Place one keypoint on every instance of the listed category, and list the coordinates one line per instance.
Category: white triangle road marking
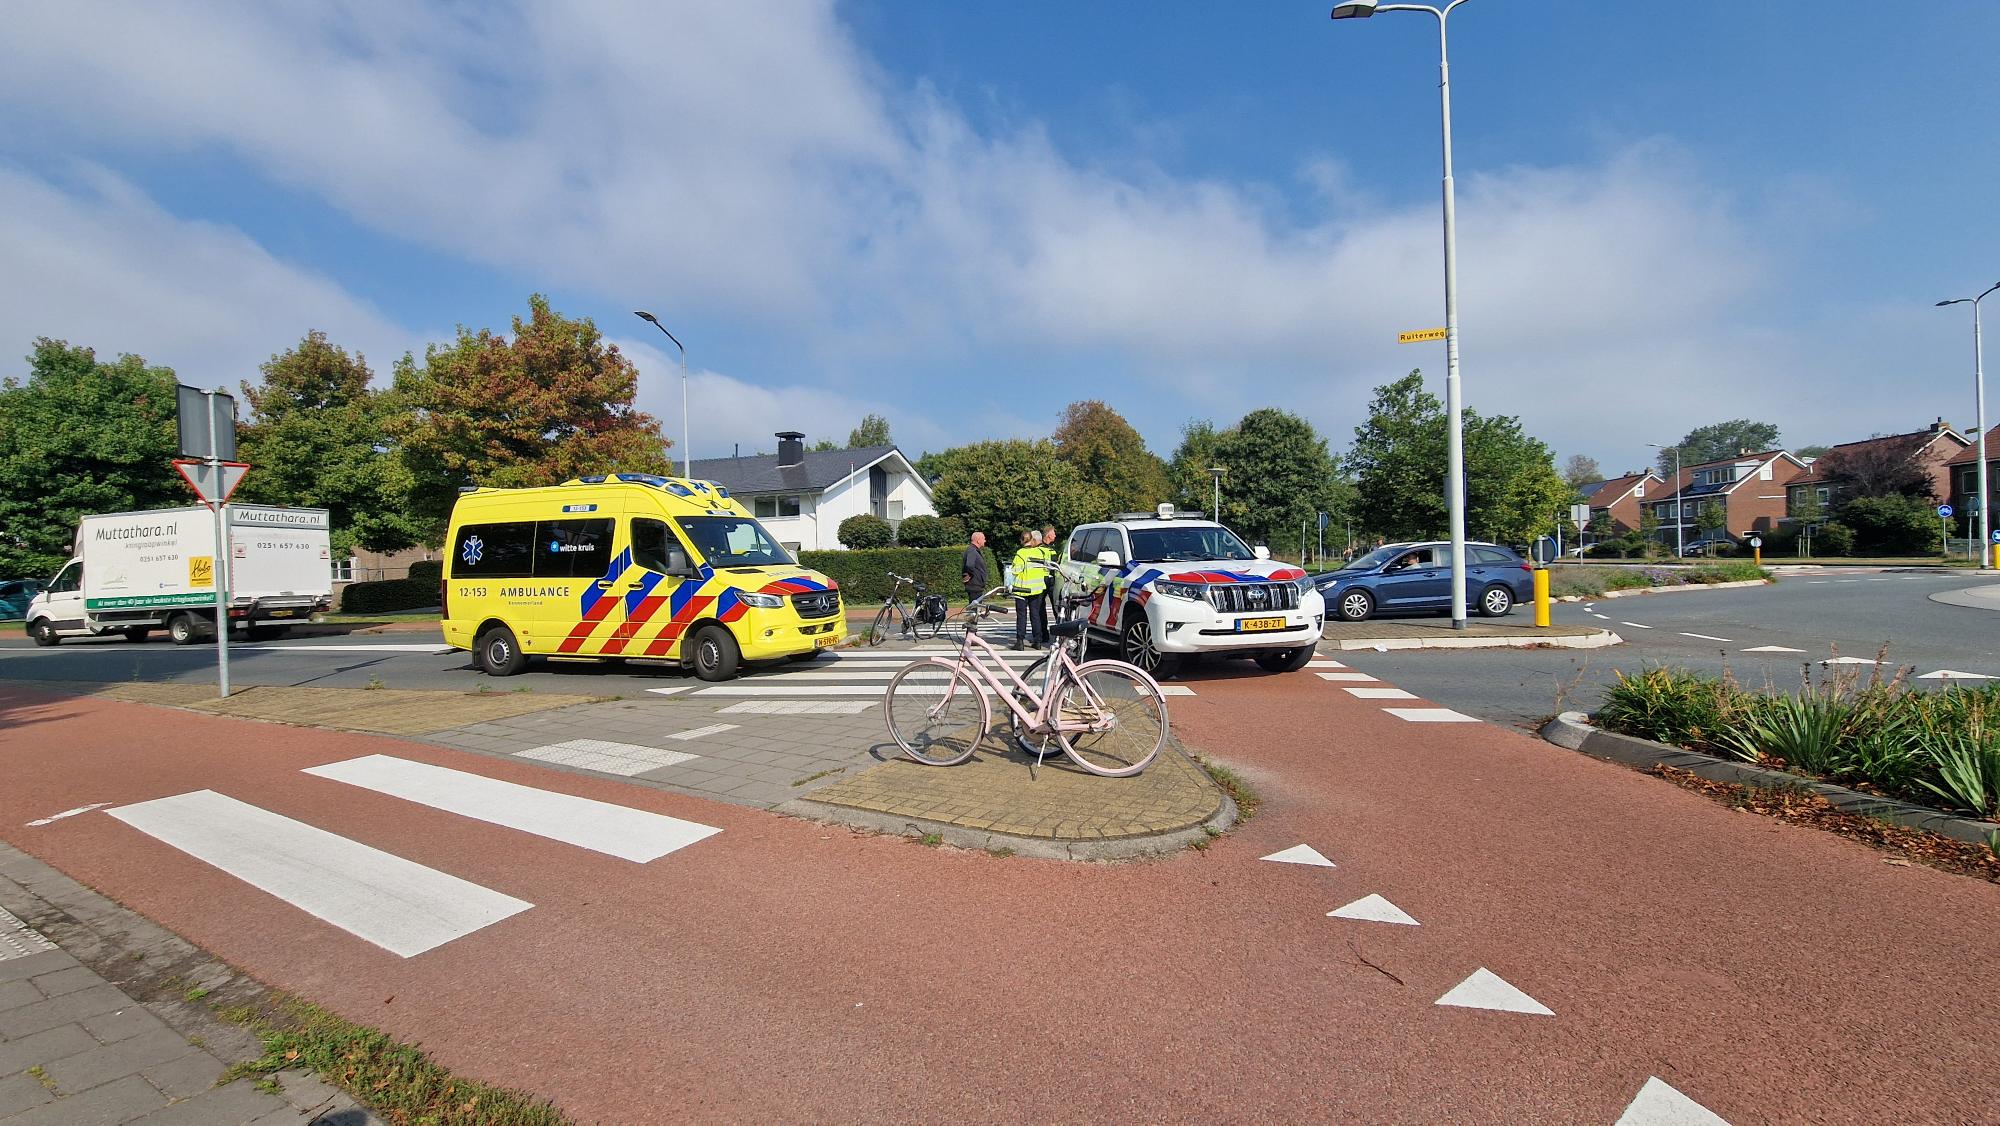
(1324, 664)
(1772, 649)
(1951, 674)
(1658, 1104)
(1301, 854)
(671, 691)
(1486, 990)
(1850, 661)
(1373, 909)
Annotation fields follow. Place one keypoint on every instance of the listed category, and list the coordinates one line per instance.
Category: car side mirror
(1109, 559)
(1261, 552)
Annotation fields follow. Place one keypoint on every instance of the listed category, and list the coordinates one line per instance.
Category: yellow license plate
(281, 613)
(1249, 625)
(825, 642)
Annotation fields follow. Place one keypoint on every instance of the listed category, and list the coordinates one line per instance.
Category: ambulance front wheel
(716, 654)
(499, 653)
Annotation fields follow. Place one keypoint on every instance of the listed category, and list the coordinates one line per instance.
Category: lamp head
(645, 316)
(1954, 301)
(1354, 10)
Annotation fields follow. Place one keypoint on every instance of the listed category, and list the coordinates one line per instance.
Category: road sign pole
(222, 567)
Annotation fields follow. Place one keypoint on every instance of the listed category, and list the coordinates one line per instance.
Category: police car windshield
(1185, 544)
(733, 541)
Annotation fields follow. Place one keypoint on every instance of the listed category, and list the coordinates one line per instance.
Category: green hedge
(418, 592)
(862, 574)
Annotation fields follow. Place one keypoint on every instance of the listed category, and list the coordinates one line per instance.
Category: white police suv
(1165, 585)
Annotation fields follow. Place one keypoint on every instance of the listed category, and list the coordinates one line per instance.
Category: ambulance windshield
(733, 541)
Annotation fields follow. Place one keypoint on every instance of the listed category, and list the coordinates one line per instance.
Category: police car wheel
(499, 653)
(715, 654)
(1135, 647)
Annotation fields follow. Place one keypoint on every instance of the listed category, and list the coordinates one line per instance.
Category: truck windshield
(733, 541)
(1176, 545)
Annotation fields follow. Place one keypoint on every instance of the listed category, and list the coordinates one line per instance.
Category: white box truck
(135, 572)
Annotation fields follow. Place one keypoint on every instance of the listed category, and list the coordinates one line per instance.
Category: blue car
(1416, 577)
(15, 594)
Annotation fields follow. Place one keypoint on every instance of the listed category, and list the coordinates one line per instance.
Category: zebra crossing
(854, 678)
(391, 901)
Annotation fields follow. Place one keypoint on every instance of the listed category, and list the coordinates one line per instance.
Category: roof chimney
(1938, 426)
(791, 448)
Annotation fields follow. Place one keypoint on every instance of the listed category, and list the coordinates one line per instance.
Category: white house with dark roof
(801, 497)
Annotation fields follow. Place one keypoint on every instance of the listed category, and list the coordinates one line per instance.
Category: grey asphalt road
(1820, 615)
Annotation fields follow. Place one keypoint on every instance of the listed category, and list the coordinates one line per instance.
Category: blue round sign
(1996, 535)
(1944, 511)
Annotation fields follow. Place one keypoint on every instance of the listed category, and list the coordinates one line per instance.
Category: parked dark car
(1416, 577)
(15, 594)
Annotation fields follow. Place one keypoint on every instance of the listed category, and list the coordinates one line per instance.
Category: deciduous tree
(1876, 469)
(1720, 440)
(1002, 487)
(1109, 454)
(1280, 478)
(1187, 473)
(552, 402)
(1581, 470)
(873, 431)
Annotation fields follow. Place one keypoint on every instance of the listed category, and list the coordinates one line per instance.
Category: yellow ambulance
(628, 566)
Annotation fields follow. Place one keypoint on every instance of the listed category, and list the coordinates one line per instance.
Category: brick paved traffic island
(999, 799)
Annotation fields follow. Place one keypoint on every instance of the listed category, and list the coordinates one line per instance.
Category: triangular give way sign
(212, 482)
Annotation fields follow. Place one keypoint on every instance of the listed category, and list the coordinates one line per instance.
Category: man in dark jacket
(976, 581)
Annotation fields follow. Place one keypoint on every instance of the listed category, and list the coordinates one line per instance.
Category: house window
(776, 507)
(343, 570)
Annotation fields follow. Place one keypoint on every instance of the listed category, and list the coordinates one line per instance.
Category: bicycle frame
(980, 666)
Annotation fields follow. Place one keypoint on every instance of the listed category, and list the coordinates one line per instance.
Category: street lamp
(1680, 502)
(1979, 402)
(1215, 473)
(1455, 441)
(687, 452)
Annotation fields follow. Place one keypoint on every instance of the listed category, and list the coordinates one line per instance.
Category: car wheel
(1495, 601)
(1356, 605)
(499, 653)
(1136, 646)
(1285, 660)
(716, 654)
(184, 629)
(43, 633)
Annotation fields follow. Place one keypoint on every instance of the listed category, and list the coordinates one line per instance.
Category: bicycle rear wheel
(927, 630)
(1123, 718)
(879, 632)
(936, 713)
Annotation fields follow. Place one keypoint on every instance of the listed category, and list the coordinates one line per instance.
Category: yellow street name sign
(1420, 336)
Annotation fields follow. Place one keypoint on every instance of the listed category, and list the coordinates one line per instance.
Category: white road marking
(799, 707)
(615, 830)
(1378, 693)
(1324, 664)
(1634, 625)
(711, 729)
(433, 649)
(1486, 990)
(676, 689)
(1373, 909)
(1816, 582)
(1706, 637)
(379, 897)
(1658, 1104)
(1339, 676)
(1602, 617)
(1941, 674)
(1430, 715)
(1301, 854)
(1847, 580)
(1772, 649)
(598, 755)
(55, 817)
(18, 939)
(1850, 661)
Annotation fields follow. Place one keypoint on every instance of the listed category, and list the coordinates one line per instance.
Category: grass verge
(398, 1081)
(1232, 783)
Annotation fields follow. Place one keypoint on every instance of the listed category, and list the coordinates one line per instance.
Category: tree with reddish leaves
(1878, 468)
(554, 401)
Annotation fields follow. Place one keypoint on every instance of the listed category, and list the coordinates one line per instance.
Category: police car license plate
(1250, 625)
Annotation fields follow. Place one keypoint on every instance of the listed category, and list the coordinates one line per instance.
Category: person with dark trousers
(1031, 579)
(976, 576)
(1052, 555)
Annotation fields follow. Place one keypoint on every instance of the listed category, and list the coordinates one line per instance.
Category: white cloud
(104, 266)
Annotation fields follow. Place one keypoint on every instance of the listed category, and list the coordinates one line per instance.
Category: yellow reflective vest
(1031, 572)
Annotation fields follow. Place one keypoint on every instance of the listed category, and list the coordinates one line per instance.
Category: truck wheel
(1285, 660)
(43, 633)
(184, 629)
(1136, 646)
(138, 634)
(716, 654)
(499, 653)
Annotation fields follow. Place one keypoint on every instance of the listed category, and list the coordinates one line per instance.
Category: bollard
(1757, 555)
(1541, 596)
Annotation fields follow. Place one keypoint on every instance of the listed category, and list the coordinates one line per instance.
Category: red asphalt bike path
(783, 969)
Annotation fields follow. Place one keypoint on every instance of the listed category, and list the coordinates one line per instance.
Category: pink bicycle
(1109, 717)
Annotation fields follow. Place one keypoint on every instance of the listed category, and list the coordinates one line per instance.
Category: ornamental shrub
(929, 531)
(866, 530)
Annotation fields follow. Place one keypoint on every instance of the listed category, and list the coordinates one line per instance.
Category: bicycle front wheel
(936, 713)
(879, 632)
(1113, 719)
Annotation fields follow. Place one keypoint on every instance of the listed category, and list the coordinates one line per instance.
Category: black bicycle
(1078, 644)
(920, 617)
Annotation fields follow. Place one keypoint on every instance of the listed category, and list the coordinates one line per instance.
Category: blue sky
(965, 216)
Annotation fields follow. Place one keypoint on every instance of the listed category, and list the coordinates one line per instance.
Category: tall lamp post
(1979, 403)
(1455, 441)
(687, 452)
(1680, 502)
(1215, 473)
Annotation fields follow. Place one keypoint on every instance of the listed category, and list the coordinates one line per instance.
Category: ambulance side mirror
(677, 563)
(1109, 559)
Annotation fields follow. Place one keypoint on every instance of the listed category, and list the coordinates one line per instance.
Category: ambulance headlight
(764, 601)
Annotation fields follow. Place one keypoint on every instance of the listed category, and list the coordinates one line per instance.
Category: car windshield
(1179, 545)
(733, 541)
(1373, 559)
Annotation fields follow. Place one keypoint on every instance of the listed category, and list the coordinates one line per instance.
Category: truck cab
(1166, 585)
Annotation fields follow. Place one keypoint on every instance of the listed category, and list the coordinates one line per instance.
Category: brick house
(1749, 488)
(1962, 469)
(1621, 498)
(1932, 449)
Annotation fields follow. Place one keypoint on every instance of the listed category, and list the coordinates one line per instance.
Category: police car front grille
(816, 604)
(1252, 598)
